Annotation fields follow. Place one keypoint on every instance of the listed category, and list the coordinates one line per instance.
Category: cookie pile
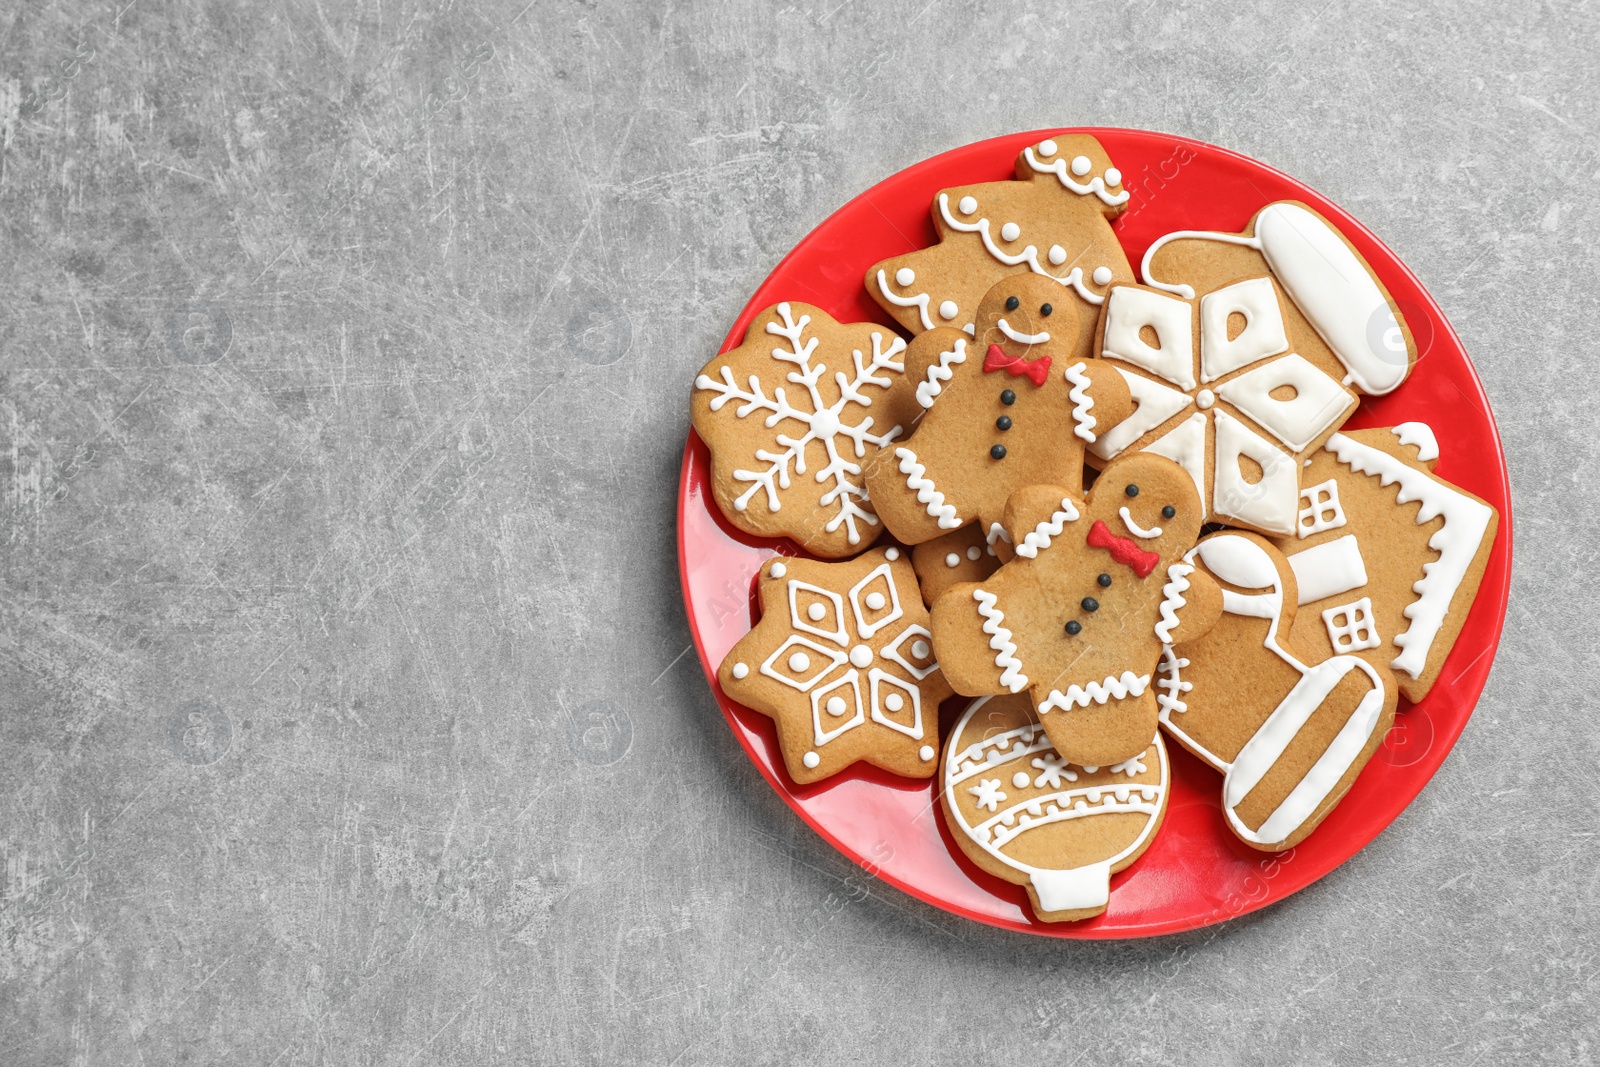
(1120, 510)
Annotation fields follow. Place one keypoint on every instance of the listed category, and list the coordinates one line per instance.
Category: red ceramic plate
(1196, 872)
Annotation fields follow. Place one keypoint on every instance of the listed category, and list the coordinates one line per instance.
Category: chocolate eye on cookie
(1132, 490)
(1168, 512)
(1045, 310)
(1012, 303)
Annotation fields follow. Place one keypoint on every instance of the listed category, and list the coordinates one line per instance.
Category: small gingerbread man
(1007, 407)
(1080, 616)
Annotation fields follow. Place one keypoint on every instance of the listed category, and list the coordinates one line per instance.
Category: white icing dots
(894, 701)
(741, 670)
(1081, 165)
(835, 706)
(974, 553)
(778, 570)
(1020, 780)
(952, 560)
(892, 554)
(967, 205)
(905, 276)
(948, 310)
(1113, 176)
(1204, 399)
(811, 759)
(860, 656)
(926, 752)
(799, 662)
(1058, 255)
(1010, 232)
(920, 649)
(875, 601)
(1047, 148)
(815, 612)
(1102, 275)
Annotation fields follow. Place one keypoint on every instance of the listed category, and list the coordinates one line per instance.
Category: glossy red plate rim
(824, 275)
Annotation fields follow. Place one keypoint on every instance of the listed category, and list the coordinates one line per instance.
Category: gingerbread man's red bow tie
(1123, 550)
(998, 360)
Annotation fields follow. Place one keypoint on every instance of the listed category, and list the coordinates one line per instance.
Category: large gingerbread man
(1080, 616)
(1007, 407)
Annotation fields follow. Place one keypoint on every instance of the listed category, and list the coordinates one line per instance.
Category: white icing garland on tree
(824, 422)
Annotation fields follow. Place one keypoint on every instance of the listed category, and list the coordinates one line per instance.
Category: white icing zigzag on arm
(1029, 255)
(1041, 535)
(917, 479)
(1457, 541)
(1172, 600)
(1172, 682)
(1128, 685)
(1083, 422)
(938, 372)
(920, 301)
(1011, 675)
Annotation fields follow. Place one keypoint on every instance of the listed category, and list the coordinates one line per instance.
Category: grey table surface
(344, 350)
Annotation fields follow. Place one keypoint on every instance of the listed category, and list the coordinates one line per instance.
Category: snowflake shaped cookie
(842, 661)
(1053, 221)
(792, 415)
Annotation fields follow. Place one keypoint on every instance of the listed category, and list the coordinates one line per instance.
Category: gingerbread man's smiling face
(1149, 507)
(1028, 317)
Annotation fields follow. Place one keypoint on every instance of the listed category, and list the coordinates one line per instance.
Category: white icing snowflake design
(823, 422)
(988, 793)
(1248, 397)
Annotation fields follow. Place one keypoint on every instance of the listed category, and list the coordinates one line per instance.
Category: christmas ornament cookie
(1053, 222)
(1340, 317)
(842, 661)
(1009, 407)
(1388, 555)
(963, 555)
(1222, 391)
(1023, 813)
(1288, 726)
(1079, 617)
(791, 417)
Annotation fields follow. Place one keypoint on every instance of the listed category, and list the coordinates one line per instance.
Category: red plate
(1196, 872)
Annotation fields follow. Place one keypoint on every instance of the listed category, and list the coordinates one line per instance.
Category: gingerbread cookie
(1340, 318)
(841, 660)
(1080, 616)
(1289, 726)
(1238, 408)
(1023, 813)
(791, 417)
(963, 555)
(1054, 222)
(1389, 556)
(1008, 408)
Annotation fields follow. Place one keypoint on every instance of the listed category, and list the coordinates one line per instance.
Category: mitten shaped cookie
(841, 661)
(792, 415)
(1054, 222)
(1080, 616)
(1288, 725)
(1008, 408)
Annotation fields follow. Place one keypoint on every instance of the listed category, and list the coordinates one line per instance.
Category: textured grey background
(344, 351)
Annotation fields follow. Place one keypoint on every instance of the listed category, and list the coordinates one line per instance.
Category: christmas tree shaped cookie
(1053, 221)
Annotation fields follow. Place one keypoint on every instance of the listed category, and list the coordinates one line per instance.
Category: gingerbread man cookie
(791, 417)
(1007, 408)
(1053, 222)
(1289, 726)
(842, 661)
(1023, 813)
(1079, 617)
